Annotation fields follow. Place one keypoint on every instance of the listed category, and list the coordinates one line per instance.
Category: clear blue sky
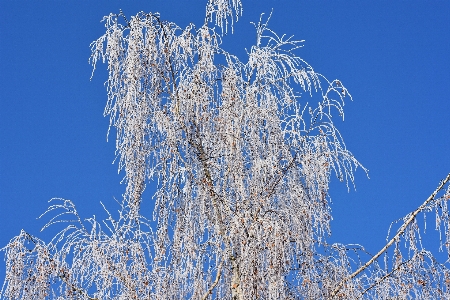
(393, 56)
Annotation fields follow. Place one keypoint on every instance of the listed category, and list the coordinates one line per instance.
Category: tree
(243, 165)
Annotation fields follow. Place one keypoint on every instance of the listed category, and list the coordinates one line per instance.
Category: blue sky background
(393, 56)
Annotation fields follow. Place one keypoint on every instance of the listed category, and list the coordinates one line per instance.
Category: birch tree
(242, 152)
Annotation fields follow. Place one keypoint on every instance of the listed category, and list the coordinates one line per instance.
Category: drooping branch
(384, 277)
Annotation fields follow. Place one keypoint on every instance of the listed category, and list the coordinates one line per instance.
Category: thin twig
(383, 278)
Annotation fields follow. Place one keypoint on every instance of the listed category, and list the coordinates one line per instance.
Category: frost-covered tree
(242, 155)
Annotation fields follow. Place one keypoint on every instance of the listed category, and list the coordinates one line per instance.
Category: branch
(211, 288)
(399, 233)
(272, 189)
(383, 278)
(76, 289)
(125, 18)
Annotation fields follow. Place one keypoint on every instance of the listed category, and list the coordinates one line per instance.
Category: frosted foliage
(223, 11)
(242, 153)
(233, 148)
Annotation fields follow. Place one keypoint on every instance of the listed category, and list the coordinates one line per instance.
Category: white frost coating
(243, 163)
(223, 11)
(232, 148)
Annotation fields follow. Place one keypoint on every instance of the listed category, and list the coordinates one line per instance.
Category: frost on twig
(223, 11)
